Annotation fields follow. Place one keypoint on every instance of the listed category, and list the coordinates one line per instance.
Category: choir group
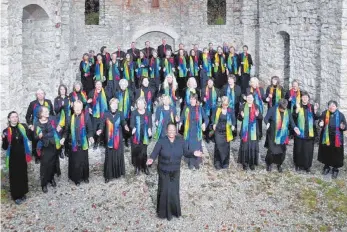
(199, 94)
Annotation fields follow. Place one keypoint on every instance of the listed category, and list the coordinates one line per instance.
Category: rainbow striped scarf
(232, 64)
(128, 70)
(113, 73)
(219, 62)
(75, 97)
(231, 96)
(168, 64)
(113, 133)
(155, 65)
(187, 98)
(148, 98)
(194, 66)
(162, 121)
(142, 71)
(99, 71)
(183, 66)
(206, 64)
(124, 103)
(249, 122)
(296, 98)
(258, 99)
(278, 95)
(281, 130)
(27, 150)
(210, 105)
(91, 60)
(37, 107)
(198, 118)
(82, 133)
(62, 120)
(99, 104)
(55, 134)
(86, 68)
(302, 121)
(137, 136)
(326, 139)
(228, 128)
(172, 93)
(246, 67)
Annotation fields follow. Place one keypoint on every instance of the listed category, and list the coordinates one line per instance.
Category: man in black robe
(147, 51)
(163, 48)
(133, 51)
(120, 53)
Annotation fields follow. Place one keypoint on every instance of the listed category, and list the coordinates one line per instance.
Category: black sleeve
(90, 131)
(250, 61)
(4, 139)
(157, 149)
(269, 114)
(342, 120)
(57, 106)
(51, 111)
(29, 115)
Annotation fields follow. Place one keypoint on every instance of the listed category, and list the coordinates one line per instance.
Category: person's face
(114, 106)
(225, 105)
(295, 86)
(220, 50)
(147, 44)
(40, 95)
(181, 46)
(245, 49)
(118, 47)
(171, 131)
(210, 46)
(132, 45)
(145, 82)
(205, 51)
(166, 100)
(62, 91)
(114, 56)
(210, 83)
(123, 86)
(254, 84)
(77, 87)
(274, 81)
(192, 84)
(98, 85)
(77, 108)
(231, 81)
(127, 57)
(163, 41)
(304, 99)
(141, 55)
(192, 101)
(192, 53)
(85, 57)
(169, 79)
(105, 50)
(13, 119)
(140, 105)
(232, 50)
(249, 99)
(45, 113)
(99, 58)
(155, 55)
(332, 107)
(181, 53)
(168, 53)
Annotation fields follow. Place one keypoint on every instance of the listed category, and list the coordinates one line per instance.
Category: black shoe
(326, 170)
(208, 141)
(218, 167)
(335, 173)
(190, 166)
(308, 170)
(24, 198)
(244, 167)
(137, 171)
(225, 166)
(106, 181)
(95, 146)
(61, 155)
(279, 168)
(53, 183)
(268, 168)
(146, 171)
(58, 174)
(66, 153)
(44, 189)
(197, 167)
(252, 167)
(37, 160)
(86, 181)
(77, 183)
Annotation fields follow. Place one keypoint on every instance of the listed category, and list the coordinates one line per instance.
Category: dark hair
(9, 114)
(245, 46)
(170, 124)
(305, 93)
(333, 102)
(102, 49)
(62, 85)
(85, 54)
(192, 50)
(277, 78)
(99, 54)
(40, 111)
(210, 43)
(283, 103)
(193, 95)
(232, 76)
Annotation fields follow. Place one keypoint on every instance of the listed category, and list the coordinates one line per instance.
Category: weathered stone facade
(42, 41)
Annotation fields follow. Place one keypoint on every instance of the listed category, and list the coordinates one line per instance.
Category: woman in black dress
(47, 133)
(170, 150)
(219, 68)
(15, 140)
(331, 144)
(86, 73)
(112, 123)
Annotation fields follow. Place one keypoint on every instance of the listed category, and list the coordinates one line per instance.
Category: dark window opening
(216, 12)
(92, 12)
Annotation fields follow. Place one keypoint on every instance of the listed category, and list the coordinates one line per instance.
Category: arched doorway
(38, 41)
(285, 57)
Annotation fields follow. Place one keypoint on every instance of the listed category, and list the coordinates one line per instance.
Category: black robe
(220, 77)
(161, 50)
(87, 77)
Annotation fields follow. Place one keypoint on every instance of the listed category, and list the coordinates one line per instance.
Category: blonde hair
(191, 79)
(114, 100)
(124, 82)
(254, 79)
(225, 99)
(174, 82)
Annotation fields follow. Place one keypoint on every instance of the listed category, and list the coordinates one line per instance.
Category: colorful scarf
(168, 64)
(83, 97)
(218, 59)
(278, 95)
(187, 98)
(206, 64)
(194, 66)
(183, 66)
(161, 122)
(113, 133)
(249, 122)
(99, 104)
(82, 133)
(246, 68)
(86, 68)
(113, 73)
(232, 64)
(62, 119)
(137, 136)
(155, 65)
(281, 130)
(22, 130)
(148, 99)
(296, 98)
(258, 99)
(326, 139)
(128, 69)
(171, 92)
(99, 71)
(124, 103)
(213, 98)
(302, 121)
(55, 134)
(231, 96)
(37, 107)
(229, 132)
(142, 71)
(198, 118)
(91, 60)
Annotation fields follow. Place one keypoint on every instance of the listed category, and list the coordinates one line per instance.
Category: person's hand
(71, 104)
(267, 99)
(133, 131)
(178, 68)
(164, 69)
(149, 132)
(227, 71)
(126, 128)
(290, 99)
(98, 132)
(321, 124)
(177, 118)
(297, 131)
(149, 162)
(90, 111)
(342, 126)
(62, 141)
(58, 128)
(257, 113)
(136, 70)
(239, 73)
(132, 108)
(232, 128)
(31, 127)
(267, 126)
(242, 114)
(204, 99)
(121, 69)
(198, 153)
(297, 108)
(91, 140)
(90, 100)
(159, 68)
(40, 135)
(157, 123)
(181, 100)
(270, 95)
(203, 127)
(214, 127)
(173, 69)
(244, 97)
(150, 68)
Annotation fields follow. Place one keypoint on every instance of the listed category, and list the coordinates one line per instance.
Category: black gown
(18, 173)
(170, 155)
(220, 77)
(114, 165)
(86, 76)
(331, 155)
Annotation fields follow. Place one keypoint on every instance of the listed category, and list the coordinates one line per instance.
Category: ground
(226, 200)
